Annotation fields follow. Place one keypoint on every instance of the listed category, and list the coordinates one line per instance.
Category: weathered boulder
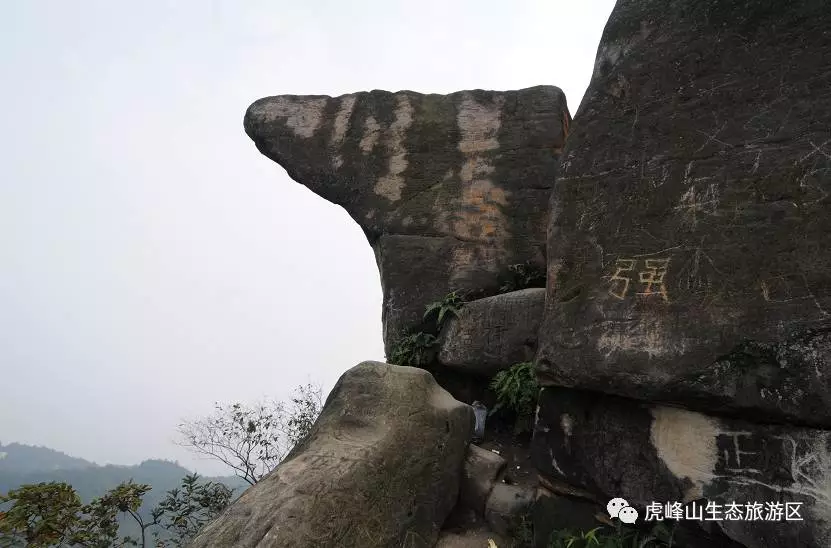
(688, 248)
(479, 474)
(647, 454)
(380, 468)
(493, 333)
(509, 507)
(449, 189)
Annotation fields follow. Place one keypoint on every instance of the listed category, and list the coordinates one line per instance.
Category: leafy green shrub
(516, 390)
(414, 349)
(522, 276)
(620, 537)
(444, 308)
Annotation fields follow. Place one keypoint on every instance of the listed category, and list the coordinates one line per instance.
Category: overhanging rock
(449, 189)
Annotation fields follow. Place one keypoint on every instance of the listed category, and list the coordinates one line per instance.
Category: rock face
(553, 513)
(507, 505)
(449, 189)
(380, 468)
(683, 338)
(688, 246)
(494, 333)
(479, 474)
(650, 453)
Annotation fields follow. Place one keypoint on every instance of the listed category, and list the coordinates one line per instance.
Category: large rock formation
(449, 189)
(688, 248)
(685, 332)
(689, 265)
(381, 468)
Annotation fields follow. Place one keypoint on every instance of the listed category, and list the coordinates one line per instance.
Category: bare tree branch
(253, 440)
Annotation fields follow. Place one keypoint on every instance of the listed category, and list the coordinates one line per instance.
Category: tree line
(251, 440)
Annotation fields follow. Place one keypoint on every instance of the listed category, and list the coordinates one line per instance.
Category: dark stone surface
(381, 467)
(689, 256)
(646, 453)
(479, 474)
(507, 505)
(554, 512)
(494, 333)
(449, 189)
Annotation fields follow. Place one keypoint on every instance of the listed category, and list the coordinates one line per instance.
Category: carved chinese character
(653, 278)
(622, 265)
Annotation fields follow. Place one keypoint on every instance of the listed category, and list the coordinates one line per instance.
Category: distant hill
(21, 459)
(25, 464)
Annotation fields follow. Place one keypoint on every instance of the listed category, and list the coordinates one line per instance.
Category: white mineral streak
(302, 115)
(392, 183)
(686, 443)
(347, 105)
(371, 133)
(479, 217)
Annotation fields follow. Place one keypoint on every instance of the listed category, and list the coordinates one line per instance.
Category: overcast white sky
(152, 262)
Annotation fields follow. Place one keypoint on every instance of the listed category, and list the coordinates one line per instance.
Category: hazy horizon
(153, 262)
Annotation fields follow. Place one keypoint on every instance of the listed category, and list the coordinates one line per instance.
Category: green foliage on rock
(516, 390)
(418, 348)
(443, 309)
(414, 349)
(660, 536)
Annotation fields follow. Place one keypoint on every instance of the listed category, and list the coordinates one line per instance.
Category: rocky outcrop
(688, 268)
(684, 336)
(380, 468)
(761, 485)
(688, 256)
(492, 334)
(449, 189)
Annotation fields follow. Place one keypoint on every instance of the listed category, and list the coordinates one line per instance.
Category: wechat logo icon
(620, 509)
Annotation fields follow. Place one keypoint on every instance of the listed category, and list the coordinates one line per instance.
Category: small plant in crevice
(442, 310)
(414, 349)
(521, 531)
(418, 348)
(660, 536)
(516, 390)
(522, 276)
